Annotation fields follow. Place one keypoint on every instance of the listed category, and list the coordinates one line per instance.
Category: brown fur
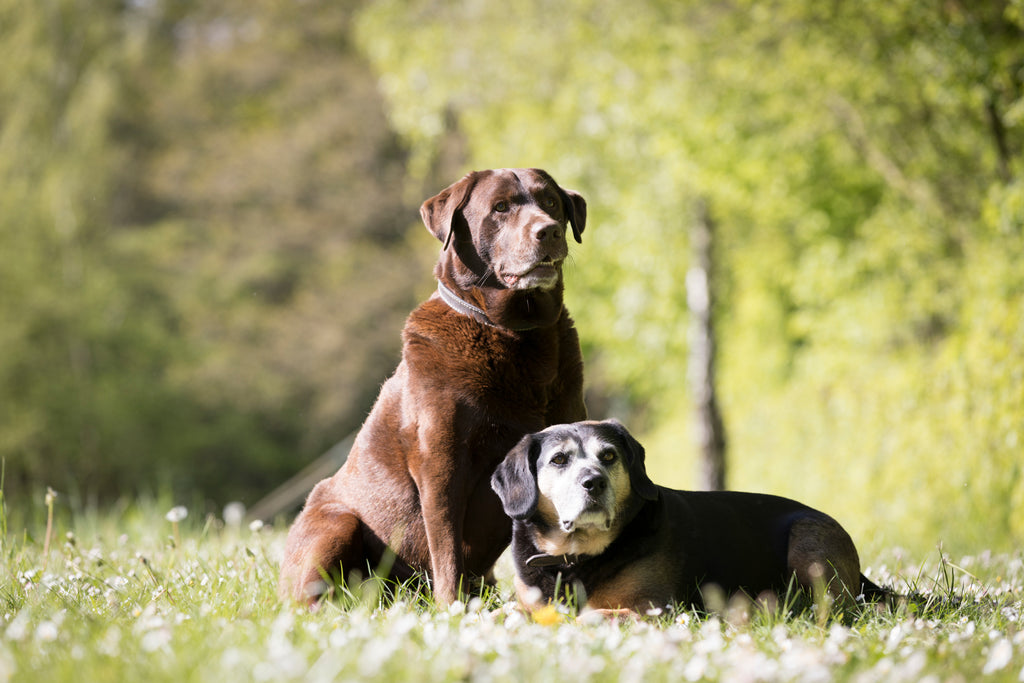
(661, 546)
(468, 387)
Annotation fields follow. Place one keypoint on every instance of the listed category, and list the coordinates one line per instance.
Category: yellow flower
(547, 616)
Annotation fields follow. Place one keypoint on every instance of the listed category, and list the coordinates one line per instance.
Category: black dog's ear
(515, 480)
(638, 479)
(439, 212)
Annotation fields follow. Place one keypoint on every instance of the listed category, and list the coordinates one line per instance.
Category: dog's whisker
(483, 278)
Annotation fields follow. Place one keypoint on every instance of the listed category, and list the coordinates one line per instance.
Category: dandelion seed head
(234, 514)
(176, 514)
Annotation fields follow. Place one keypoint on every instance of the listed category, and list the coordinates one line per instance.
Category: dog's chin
(587, 534)
(588, 521)
(543, 276)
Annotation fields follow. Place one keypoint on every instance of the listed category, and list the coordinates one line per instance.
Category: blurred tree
(204, 245)
(81, 337)
(289, 230)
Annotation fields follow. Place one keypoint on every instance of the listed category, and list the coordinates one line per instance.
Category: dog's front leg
(444, 531)
(443, 503)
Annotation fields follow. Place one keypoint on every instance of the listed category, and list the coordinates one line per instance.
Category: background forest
(209, 235)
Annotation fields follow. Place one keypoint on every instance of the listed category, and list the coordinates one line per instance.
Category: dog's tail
(871, 594)
(920, 603)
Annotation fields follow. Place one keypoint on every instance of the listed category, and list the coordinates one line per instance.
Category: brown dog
(586, 516)
(491, 356)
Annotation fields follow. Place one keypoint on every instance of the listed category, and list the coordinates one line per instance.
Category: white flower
(155, 639)
(998, 657)
(47, 632)
(234, 514)
(176, 514)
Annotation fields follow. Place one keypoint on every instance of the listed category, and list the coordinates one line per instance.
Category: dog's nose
(547, 232)
(595, 483)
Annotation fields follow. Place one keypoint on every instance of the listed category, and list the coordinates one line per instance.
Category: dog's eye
(559, 459)
(549, 202)
(501, 207)
(606, 456)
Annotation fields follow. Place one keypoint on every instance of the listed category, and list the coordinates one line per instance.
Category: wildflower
(18, 627)
(51, 496)
(234, 514)
(47, 632)
(998, 657)
(547, 615)
(176, 514)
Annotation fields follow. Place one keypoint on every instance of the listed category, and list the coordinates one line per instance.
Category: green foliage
(205, 265)
(208, 235)
(862, 162)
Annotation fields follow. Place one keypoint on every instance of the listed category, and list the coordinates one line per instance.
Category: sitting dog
(491, 356)
(586, 516)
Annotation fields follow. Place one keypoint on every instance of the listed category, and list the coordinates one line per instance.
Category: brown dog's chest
(499, 376)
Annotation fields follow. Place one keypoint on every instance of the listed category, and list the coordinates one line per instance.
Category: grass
(130, 595)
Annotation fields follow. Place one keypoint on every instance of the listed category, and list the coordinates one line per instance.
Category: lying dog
(587, 516)
(491, 356)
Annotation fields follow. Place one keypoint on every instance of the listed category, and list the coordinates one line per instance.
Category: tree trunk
(709, 428)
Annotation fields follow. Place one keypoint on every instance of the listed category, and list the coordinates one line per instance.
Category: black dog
(586, 515)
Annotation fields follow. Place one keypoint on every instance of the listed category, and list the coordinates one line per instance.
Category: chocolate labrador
(587, 518)
(489, 357)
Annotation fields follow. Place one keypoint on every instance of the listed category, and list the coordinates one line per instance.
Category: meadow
(139, 593)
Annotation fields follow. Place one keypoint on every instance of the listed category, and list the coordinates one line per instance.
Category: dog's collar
(463, 307)
(545, 560)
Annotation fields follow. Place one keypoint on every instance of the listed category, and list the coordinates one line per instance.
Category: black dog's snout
(595, 483)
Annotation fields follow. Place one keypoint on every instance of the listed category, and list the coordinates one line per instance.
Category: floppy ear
(574, 203)
(438, 212)
(515, 480)
(638, 479)
(576, 208)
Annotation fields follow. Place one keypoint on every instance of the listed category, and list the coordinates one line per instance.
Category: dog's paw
(594, 616)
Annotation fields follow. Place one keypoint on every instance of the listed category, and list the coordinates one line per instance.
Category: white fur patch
(583, 520)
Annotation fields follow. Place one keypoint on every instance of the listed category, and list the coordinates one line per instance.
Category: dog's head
(504, 229)
(574, 482)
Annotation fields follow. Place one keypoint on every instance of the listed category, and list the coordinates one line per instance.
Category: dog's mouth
(573, 525)
(593, 517)
(543, 274)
